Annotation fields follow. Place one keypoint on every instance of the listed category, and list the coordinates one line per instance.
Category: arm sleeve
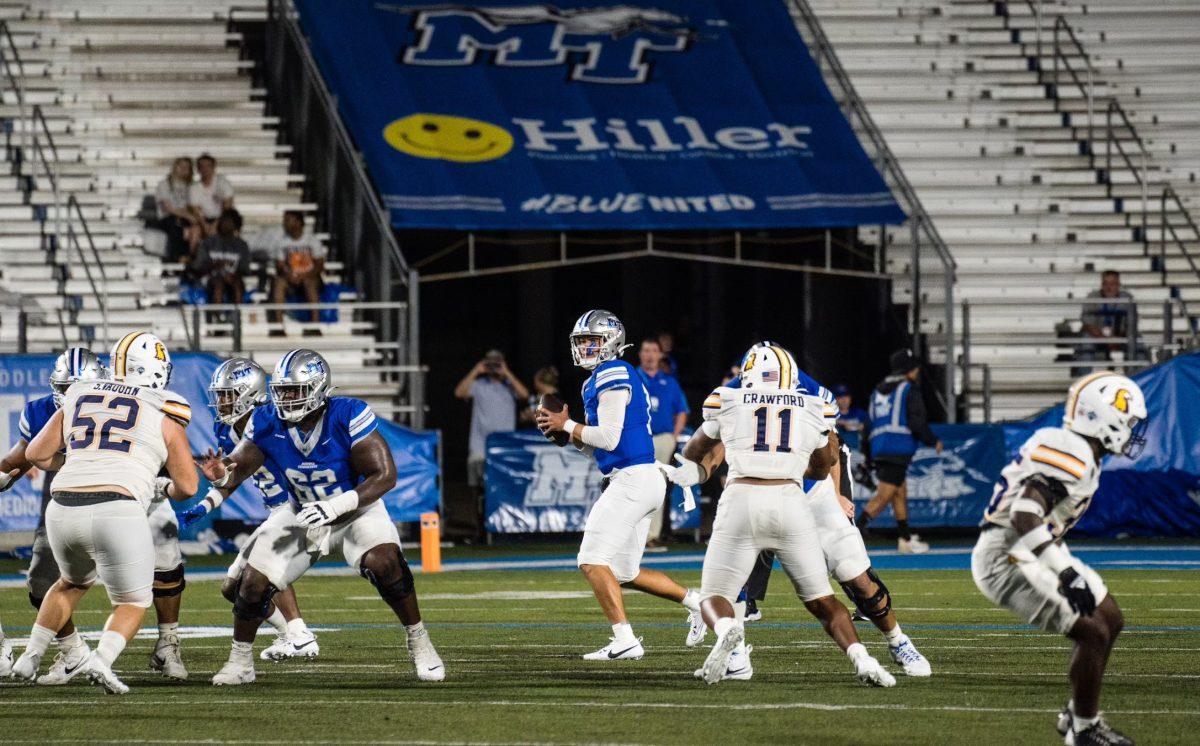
(610, 414)
(918, 421)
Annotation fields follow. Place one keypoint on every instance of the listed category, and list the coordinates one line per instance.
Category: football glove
(1075, 589)
(324, 512)
(687, 474)
(160, 489)
(194, 513)
(7, 478)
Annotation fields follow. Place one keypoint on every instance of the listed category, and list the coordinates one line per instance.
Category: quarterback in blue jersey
(845, 553)
(337, 468)
(75, 364)
(616, 433)
(238, 387)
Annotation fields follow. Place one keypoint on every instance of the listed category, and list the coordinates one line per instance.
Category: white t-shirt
(210, 198)
(278, 245)
(174, 193)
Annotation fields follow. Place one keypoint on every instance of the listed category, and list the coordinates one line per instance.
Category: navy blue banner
(533, 486)
(672, 114)
(25, 377)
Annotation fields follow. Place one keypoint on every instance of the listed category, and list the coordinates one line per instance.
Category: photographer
(494, 392)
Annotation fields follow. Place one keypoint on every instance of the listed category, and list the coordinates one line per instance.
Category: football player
(1021, 562)
(842, 544)
(118, 435)
(238, 386)
(616, 432)
(775, 436)
(75, 364)
(337, 468)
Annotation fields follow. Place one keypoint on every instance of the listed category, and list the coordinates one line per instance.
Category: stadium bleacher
(999, 159)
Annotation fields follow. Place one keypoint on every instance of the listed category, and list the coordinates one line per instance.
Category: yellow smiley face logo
(448, 138)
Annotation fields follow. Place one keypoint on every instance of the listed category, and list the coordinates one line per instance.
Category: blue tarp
(534, 486)
(24, 377)
(680, 114)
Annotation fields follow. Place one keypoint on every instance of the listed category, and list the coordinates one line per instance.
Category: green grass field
(511, 642)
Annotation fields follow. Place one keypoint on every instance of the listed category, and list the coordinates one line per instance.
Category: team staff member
(897, 424)
(850, 418)
(668, 415)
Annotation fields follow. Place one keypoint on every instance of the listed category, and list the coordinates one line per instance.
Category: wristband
(569, 427)
(223, 480)
(214, 498)
(344, 502)
(1026, 505)
(1053, 556)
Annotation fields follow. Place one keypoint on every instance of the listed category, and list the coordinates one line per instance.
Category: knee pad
(875, 606)
(36, 601)
(397, 590)
(250, 610)
(169, 583)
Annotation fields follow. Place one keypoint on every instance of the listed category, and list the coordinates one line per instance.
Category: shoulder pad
(176, 407)
(714, 402)
(1059, 454)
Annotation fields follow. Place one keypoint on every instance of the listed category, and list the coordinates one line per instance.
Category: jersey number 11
(763, 416)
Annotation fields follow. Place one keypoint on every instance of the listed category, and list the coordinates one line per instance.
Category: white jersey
(768, 433)
(1058, 454)
(113, 435)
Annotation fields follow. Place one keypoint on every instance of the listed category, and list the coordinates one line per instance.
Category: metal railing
(223, 328)
(924, 233)
(10, 58)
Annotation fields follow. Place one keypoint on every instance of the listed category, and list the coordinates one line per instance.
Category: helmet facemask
(228, 403)
(588, 350)
(296, 400)
(1136, 439)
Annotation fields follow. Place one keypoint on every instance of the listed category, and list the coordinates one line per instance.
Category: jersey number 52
(84, 426)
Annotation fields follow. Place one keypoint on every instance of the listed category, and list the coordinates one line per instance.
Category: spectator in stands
(1104, 320)
(222, 260)
(850, 419)
(669, 364)
(494, 392)
(210, 196)
(668, 416)
(299, 263)
(174, 218)
(545, 381)
(897, 424)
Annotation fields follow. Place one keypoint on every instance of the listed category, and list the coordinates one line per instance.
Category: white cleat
(618, 651)
(101, 673)
(6, 659)
(870, 672)
(26, 668)
(66, 666)
(697, 629)
(234, 673)
(910, 659)
(302, 645)
(167, 660)
(717, 662)
(1063, 724)
(428, 662)
(753, 613)
(912, 545)
(739, 668)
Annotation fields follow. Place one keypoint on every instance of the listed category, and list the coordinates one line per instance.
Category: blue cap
(841, 390)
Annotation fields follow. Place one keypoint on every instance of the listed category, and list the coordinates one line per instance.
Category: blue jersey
(315, 465)
(666, 400)
(635, 446)
(268, 479)
(35, 415)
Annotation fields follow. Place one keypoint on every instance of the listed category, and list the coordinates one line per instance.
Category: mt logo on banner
(613, 44)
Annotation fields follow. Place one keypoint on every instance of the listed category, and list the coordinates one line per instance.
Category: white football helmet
(141, 359)
(767, 365)
(1111, 408)
(73, 365)
(597, 337)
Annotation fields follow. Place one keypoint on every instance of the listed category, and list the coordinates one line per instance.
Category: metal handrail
(41, 129)
(854, 108)
(1060, 23)
(1164, 227)
(73, 240)
(101, 299)
(7, 62)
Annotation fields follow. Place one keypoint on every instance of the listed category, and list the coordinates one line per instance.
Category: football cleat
(234, 673)
(6, 659)
(102, 674)
(166, 658)
(428, 662)
(26, 667)
(618, 651)
(912, 545)
(67, 665)
(1064, 720)
(301, 645)
(739, 666)
(753, 613)
(697, 629)
(1099, 734)
(717, 662)
(910, 659)
(870, 672)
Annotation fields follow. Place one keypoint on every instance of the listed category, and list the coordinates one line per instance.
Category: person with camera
(494, 392)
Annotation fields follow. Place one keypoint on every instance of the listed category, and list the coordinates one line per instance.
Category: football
(552, 403)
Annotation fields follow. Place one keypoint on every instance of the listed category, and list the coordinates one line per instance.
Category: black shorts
(891, 470)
